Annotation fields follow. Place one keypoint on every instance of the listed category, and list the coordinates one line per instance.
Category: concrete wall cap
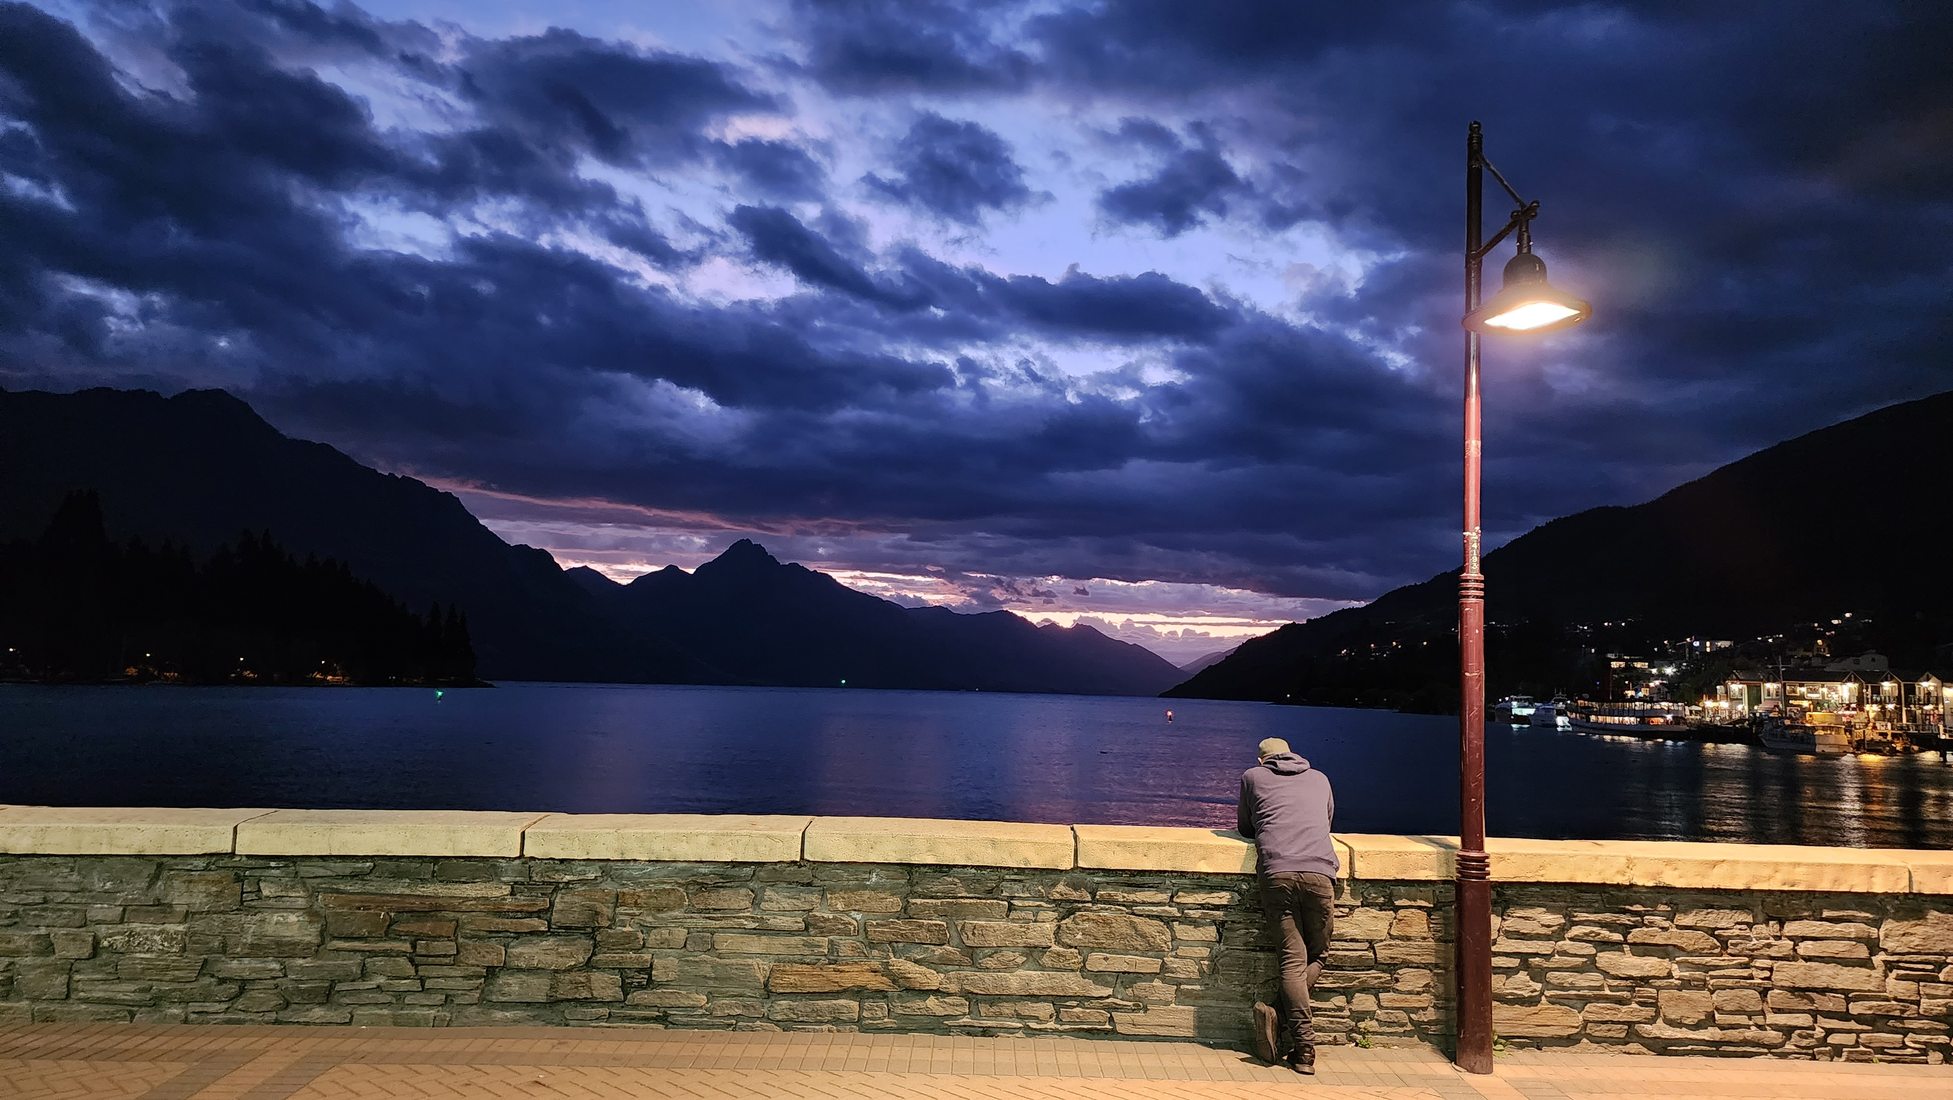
(384, 833)
(1932, 871)
(943, 842)
(1151, 848)
(674, 838)
(1667, 863)
(119, 830)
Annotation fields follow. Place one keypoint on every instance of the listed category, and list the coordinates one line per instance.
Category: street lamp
(1527, 303)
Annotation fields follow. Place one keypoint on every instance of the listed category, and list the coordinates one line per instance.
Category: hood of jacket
(1286, 763)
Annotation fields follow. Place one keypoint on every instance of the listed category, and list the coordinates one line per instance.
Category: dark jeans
(1301, 906)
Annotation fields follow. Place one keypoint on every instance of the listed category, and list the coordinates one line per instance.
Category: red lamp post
(1525, 304)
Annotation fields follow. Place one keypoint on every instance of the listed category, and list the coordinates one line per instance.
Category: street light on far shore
(1526, 304)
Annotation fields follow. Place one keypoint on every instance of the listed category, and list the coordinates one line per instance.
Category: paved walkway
(178, 1062)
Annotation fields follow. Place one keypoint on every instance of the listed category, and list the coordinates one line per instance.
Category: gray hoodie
(1286, 809)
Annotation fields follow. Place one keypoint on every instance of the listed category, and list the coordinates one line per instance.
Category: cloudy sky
(1143, 313)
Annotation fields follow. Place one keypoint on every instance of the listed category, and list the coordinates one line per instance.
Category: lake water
(1063, 759)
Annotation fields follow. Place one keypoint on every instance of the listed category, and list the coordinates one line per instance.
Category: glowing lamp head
(1528, 303)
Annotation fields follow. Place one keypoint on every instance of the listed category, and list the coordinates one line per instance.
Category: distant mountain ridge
(201, 466)
(1851, 517)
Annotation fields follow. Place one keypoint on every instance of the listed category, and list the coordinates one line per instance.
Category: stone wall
(781, 930)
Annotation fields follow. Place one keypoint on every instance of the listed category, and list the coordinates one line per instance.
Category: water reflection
(598, 748)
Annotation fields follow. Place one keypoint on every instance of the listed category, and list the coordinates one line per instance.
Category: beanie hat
(1271, 746)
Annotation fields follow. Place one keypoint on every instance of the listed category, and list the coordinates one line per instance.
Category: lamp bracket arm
(1521, 220)
(1500, 176)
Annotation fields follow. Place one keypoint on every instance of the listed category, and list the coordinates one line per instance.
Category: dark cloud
(954, 169)
(777, 237)
(1190, 185)
(619, 104)
(774, 169)
(873, 47)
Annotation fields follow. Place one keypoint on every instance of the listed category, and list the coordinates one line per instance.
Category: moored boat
(1818, 733)
(1552, 715)
(1514, 710)
(1668, 721)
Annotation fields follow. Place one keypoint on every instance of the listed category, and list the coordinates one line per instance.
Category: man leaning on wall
(1286, 808)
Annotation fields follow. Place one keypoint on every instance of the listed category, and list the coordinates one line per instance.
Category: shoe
(1266, 1025)
(1303, 1060)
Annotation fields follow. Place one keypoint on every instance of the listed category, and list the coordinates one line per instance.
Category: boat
(1552, 716)
(1668, 721)
(1514, 710)
(1818, 733)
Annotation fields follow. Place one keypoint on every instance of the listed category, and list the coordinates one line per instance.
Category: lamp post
(1526, 303)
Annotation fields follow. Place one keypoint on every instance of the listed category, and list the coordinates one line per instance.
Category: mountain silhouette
(197, 468)
(770, 622)
(1852, 517)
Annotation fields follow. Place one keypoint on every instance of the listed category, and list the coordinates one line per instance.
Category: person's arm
(1244, 817)
(1332, 805)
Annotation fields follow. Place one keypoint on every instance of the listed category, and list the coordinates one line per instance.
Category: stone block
(1739, 1002)
(930, 1004)
(1410, 924)
(1116, 932)
(1176, 1021)
(1608, 1013)
(41, 980)
(1365, 924)
(959, 909)
(1686, 940)
(786, 898)
(20, 945)
(652, 899)
(1833, 949)
(1393, 952)
(1146, 848)
(830, 1011)
(583, 909)
(549, 952)
(997, 933)
(1633, 966)
(1686, 1006)
(828, 978)
(71, 944)
(1929, 935)
(722, 898)
(1547, 1021)
(908, 931)
(203, 891)
(740, 943)
(1829, 930)
(1025, 983)
(354, 924)
(1091, 1017)
(155, 968)
(941, 843)
(1121, 964)
(670, 838)
(1827, 976)
(384, 833)
(586, 985)
(864, 901)
(1714, 918)
(665, 998)
(471, 923)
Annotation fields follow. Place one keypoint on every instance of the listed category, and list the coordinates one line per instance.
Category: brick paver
(179, 1062)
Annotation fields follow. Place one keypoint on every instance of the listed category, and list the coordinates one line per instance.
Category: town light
(1527, 303)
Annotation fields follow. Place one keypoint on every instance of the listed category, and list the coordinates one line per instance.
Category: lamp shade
(1528, 303)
